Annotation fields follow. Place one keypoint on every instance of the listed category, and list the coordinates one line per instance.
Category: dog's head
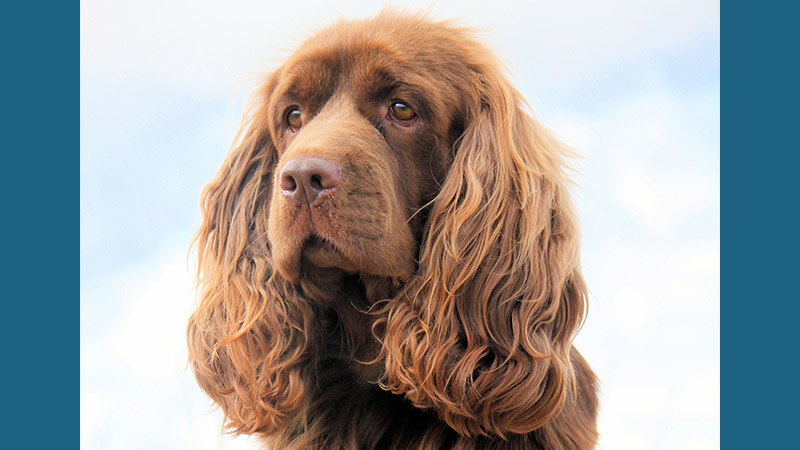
(393, 152)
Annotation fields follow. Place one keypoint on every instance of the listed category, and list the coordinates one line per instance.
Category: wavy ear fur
(483, 332)
(249, 335)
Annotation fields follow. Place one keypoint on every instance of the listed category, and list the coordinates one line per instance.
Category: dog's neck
(346, 300)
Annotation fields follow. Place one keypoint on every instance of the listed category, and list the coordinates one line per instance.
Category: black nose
(305, 178)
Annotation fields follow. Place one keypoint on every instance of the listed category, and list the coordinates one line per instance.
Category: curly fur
(432, 300)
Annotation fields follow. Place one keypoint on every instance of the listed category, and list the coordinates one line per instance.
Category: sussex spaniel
(389, 257)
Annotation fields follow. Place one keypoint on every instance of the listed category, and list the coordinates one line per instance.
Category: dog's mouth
(327, 275)
(322, 253)
(338, 238)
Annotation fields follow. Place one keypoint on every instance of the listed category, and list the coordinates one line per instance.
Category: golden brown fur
(431, 300)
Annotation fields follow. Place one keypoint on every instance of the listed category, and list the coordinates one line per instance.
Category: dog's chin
(320, 253)
(313, 258)
(302, 260)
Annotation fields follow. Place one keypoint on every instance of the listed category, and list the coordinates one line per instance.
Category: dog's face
(364, 125)
(389, 167)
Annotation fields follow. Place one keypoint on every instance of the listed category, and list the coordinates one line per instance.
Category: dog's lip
(316, 243)
(321, 252)
(318, 251)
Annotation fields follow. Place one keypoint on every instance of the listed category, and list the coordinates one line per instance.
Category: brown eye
(402, 112)
(294, 118)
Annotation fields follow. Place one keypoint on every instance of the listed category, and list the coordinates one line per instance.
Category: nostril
(288, 183)
(327, 175)
(316, 183)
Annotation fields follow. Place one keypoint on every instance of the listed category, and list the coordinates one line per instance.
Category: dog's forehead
(362, 64)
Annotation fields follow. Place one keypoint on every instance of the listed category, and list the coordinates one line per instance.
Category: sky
(633, 86)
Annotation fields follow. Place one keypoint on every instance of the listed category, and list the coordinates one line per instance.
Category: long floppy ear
(248, 335)
(483, 333)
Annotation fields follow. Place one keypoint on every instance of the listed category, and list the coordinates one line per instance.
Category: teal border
(40, 220)
(759, 233)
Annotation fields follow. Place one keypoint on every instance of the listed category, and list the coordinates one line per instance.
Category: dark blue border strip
(760, 175)
(40, 222)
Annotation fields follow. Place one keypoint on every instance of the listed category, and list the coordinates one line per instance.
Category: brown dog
(389, 257)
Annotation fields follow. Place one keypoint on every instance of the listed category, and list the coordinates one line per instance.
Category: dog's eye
(294, 118)
(402, 112)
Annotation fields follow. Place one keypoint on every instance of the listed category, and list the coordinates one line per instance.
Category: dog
(389, 256)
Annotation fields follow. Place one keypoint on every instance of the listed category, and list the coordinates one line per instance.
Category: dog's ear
(483, 332)
(246, 336)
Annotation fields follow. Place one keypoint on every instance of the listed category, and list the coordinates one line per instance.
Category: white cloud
(665, 200)
(649, 199)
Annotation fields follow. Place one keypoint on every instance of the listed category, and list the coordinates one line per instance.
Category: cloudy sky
(633, 85)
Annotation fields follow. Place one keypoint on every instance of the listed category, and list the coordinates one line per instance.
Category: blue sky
(633, 86)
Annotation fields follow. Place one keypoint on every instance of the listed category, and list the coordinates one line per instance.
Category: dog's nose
(304, 179)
